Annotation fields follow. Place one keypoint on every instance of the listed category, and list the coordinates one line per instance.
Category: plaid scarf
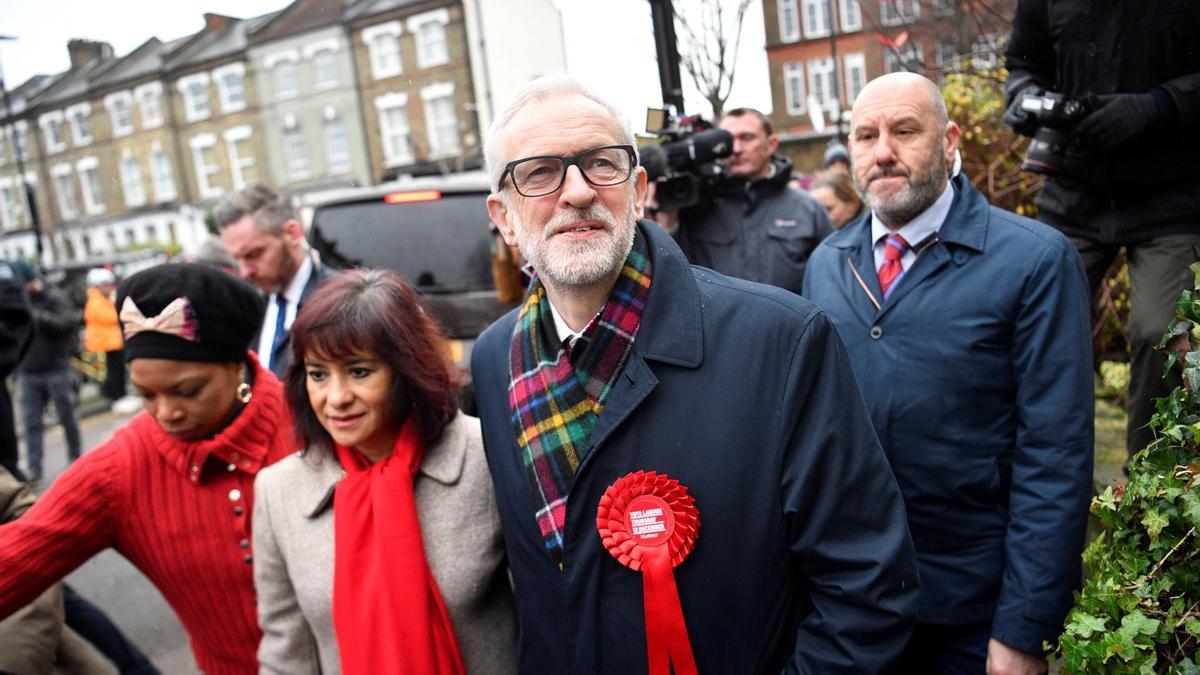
(555, 404)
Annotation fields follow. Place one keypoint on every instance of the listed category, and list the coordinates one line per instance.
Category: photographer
(755, 226)
(1111, 93)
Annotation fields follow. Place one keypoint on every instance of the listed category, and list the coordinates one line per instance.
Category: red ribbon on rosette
(649, 523)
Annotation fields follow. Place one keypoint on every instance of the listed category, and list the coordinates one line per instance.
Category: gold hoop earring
(243, 393)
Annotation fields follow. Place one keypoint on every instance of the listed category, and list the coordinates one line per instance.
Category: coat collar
(443, 462)
(671, 329)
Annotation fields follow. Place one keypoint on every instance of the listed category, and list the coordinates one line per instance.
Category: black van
(433, 231)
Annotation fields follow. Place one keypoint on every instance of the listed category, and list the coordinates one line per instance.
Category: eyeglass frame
(567, 163)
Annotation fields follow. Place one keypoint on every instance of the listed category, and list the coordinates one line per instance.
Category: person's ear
(773, 143)
(293, 232)
(952, 137)
(639, 178)
(498, 212)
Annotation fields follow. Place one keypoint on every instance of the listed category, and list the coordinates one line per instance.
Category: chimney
(84, 52)
(215, 22)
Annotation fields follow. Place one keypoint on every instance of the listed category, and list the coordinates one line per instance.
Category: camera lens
(1046, 152)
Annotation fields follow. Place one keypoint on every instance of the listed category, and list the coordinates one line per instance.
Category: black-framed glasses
(539, 176)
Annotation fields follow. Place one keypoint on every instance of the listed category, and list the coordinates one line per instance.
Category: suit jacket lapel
(927, 263)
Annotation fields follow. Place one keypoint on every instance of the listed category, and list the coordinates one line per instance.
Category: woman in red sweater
(172, 489)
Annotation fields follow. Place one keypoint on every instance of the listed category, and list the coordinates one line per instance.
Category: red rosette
(649, 523)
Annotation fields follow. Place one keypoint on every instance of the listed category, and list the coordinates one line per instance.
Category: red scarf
(388, 615)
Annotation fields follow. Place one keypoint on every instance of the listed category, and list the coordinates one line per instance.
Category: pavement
(110, 581)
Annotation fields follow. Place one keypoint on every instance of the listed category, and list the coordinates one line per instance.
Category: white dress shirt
(914, 232)
(266, 338)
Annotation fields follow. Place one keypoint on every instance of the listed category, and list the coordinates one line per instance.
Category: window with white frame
(816, 18)
(896, 12)
(394, 130)
(241, 155)
(854, 71)
(945, 7)
(8, 205)
(945, 56)
(131, 180)
(231, 89)
(64, 189)
(383, 45)
(910, 58)
(52, 130)
(89, 182)
(162, 174)
(851, 15)
(120, 112)
(194, 89)
(204, 158)
(337, 148)
(820, 83)
(149, 98)
(793, 88)
(295, 152)
(21, 139)
(324, 64)
(789, 21)
(986, 51)
(80, 118)
(430, 31)
(283, 76)
(441, 122)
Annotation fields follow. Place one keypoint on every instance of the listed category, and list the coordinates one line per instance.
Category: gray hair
(538, 90)
(269, 207)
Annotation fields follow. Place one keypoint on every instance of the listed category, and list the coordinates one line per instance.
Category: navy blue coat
(744, 394)
(978, 375)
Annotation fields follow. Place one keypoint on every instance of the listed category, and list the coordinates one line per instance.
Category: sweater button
(876, 332)
(247, 559)
(245, 543)
(235, 494)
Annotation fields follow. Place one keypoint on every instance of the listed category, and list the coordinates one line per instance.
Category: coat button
(237, 511)
(245, 543)
(235, 494)
(247, 559)
(876, 332)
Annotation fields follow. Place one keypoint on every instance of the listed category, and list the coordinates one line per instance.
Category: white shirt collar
(294, 290)
(920, 228)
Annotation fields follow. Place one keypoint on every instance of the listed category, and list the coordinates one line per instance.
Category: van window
(440, 246)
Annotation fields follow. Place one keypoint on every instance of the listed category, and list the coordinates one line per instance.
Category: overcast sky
(42, 28)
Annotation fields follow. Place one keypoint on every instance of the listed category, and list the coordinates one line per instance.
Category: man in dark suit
(260, 229)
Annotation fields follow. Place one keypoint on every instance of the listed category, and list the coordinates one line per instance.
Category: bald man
(968, 330)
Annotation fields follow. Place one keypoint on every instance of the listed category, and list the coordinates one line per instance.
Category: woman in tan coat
(378, 547)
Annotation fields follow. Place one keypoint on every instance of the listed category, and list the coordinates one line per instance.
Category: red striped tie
(893, 249)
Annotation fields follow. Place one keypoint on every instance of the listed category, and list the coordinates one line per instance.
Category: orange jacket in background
(103, 331)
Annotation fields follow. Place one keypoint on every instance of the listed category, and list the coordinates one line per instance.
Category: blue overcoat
(977, 372)
(744, 394)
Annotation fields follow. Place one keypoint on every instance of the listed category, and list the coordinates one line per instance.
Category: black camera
(683, 163)
(1055, 115)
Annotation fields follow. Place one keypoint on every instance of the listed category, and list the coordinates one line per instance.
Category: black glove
(1023, 122)
(1117, 119)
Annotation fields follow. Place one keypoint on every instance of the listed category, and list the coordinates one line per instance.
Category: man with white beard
(968, 330)
(684, 469)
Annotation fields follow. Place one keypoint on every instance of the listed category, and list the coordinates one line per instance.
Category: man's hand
(1117, 119)
(1004, 660)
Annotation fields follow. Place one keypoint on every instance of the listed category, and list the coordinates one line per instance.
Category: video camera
(1055, 115)
(683, 162)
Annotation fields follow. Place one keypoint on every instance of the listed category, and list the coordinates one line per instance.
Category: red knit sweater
(180, 512)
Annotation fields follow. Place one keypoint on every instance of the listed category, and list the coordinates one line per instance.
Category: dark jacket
(743, 393)
(1150, 186)
(281, 357)
(56, 324)
(760, 231)
(978, 376)
(16, 319)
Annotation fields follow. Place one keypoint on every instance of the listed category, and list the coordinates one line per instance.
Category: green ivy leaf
(1155, 521)
(1192, 625)
(1085, 625)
